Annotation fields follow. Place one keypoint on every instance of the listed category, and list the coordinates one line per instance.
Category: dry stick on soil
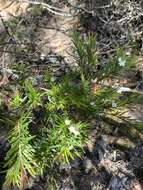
(4, 80)
(124, 142)
(90, 11)
(7, 6)
(80, 7)
(50, 8)
(5, 26)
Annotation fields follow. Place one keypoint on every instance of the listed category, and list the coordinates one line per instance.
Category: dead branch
(50, 8)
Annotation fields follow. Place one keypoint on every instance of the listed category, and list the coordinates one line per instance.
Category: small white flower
(53, 79)
(73, 130)
(67, 122)
(114, 104)
(94, 80)
(121, 62)
(128, 52)
(42, 56)
(92, 103)
(76, 65)
(123, 89)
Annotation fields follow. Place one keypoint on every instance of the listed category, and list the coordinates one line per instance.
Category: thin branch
(50, 8)
(93, 9)
(7, 6)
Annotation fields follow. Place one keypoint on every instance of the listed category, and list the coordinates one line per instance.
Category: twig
(7, 30)
(7, 6)
(91, 11)
(50, 8)
(125, 142)
(4, 79)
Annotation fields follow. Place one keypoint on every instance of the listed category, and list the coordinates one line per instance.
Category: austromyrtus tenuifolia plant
(50, 125)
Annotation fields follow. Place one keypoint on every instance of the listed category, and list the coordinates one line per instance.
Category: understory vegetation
(48, 124)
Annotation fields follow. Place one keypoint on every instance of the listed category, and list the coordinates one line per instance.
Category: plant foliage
(50, 125)
(20, 156)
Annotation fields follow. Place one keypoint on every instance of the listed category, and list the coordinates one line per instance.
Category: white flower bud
(121, 62)
(67, 122)
(73, 130)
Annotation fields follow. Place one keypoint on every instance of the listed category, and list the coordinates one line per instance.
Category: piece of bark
(125, 142)
(122, 173)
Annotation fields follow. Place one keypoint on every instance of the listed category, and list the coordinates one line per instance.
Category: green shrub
(50, 125)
